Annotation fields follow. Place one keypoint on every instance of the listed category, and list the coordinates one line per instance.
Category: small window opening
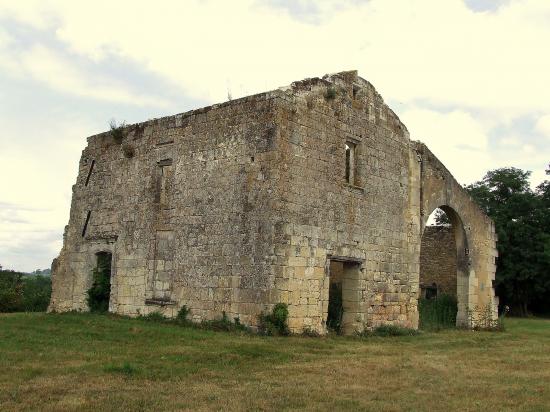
(164, 182)
(350, 163)
(430, 292)
(90, 173)
(355, 90)
(86, 223)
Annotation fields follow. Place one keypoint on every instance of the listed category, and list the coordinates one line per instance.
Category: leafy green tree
(11, 291)
(522, 225)
(37, 290)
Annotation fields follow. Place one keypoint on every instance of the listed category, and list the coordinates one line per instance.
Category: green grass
(92, 362)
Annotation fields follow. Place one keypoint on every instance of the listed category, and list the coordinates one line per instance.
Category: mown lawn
(103, 363)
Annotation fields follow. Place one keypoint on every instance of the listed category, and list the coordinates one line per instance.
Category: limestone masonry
(244, 204)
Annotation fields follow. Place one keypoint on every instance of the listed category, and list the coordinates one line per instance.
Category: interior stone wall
(438, 259)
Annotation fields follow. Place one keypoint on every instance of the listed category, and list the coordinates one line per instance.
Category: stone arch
(462, 263)
(434, 186)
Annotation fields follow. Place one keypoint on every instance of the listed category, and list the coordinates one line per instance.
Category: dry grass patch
(97, 362)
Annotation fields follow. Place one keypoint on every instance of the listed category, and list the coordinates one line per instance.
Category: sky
(467, 77)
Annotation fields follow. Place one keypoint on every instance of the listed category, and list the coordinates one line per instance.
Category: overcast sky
(469, 78)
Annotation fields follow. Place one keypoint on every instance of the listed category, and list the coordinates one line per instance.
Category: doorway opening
(343, 295)
(99, 293)
(444, 271)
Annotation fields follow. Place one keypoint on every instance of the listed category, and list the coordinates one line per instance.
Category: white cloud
(543, 125)
(487, 70)
(427, 49)
(456, 138)
(59, 73)
(422, 49)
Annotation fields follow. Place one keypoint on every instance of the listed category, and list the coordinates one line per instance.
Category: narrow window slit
(90, 173)
(350, 163)
(86, 223)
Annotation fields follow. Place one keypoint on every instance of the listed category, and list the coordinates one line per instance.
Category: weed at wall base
(275, 323)
(388, 330)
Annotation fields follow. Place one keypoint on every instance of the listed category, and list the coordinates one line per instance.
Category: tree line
(522, 221)
(21, 292)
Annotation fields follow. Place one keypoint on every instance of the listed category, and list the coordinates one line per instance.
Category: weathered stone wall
(326, 216)
(244, 204)
(438, 259)
(433, 186)
(188, 218)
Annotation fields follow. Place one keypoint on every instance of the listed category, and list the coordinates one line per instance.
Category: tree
(523, 227)
(11, 291)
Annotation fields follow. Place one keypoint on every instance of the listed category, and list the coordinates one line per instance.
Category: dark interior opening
(100, 292)
(335, 307)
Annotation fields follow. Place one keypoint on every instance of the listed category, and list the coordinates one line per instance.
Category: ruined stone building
(301, 195)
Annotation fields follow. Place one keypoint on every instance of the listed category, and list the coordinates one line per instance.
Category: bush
(117, 130)
(438, 313)
(37, 291)
(275, 323)
(183, 313)
(11, 291)
(24, 293)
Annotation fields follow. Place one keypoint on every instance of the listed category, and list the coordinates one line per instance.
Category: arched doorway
(444, 271)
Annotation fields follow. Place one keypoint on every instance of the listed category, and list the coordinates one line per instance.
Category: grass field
(102, 363)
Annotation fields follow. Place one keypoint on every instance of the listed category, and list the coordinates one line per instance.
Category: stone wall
(188, 217)
(325, 216)
(438, 259)
(241, 205)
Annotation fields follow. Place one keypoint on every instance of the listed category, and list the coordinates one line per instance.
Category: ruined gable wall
(325, 216)
(187, 217)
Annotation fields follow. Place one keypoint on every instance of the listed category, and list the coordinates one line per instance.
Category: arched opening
(444, 271)
(99, 293)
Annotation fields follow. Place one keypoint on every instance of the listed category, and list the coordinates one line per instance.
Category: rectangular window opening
(164, 182)
(350, 163)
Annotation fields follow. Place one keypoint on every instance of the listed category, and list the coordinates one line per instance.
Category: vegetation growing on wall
(275, 323)
(117, 130)
(99, 292)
